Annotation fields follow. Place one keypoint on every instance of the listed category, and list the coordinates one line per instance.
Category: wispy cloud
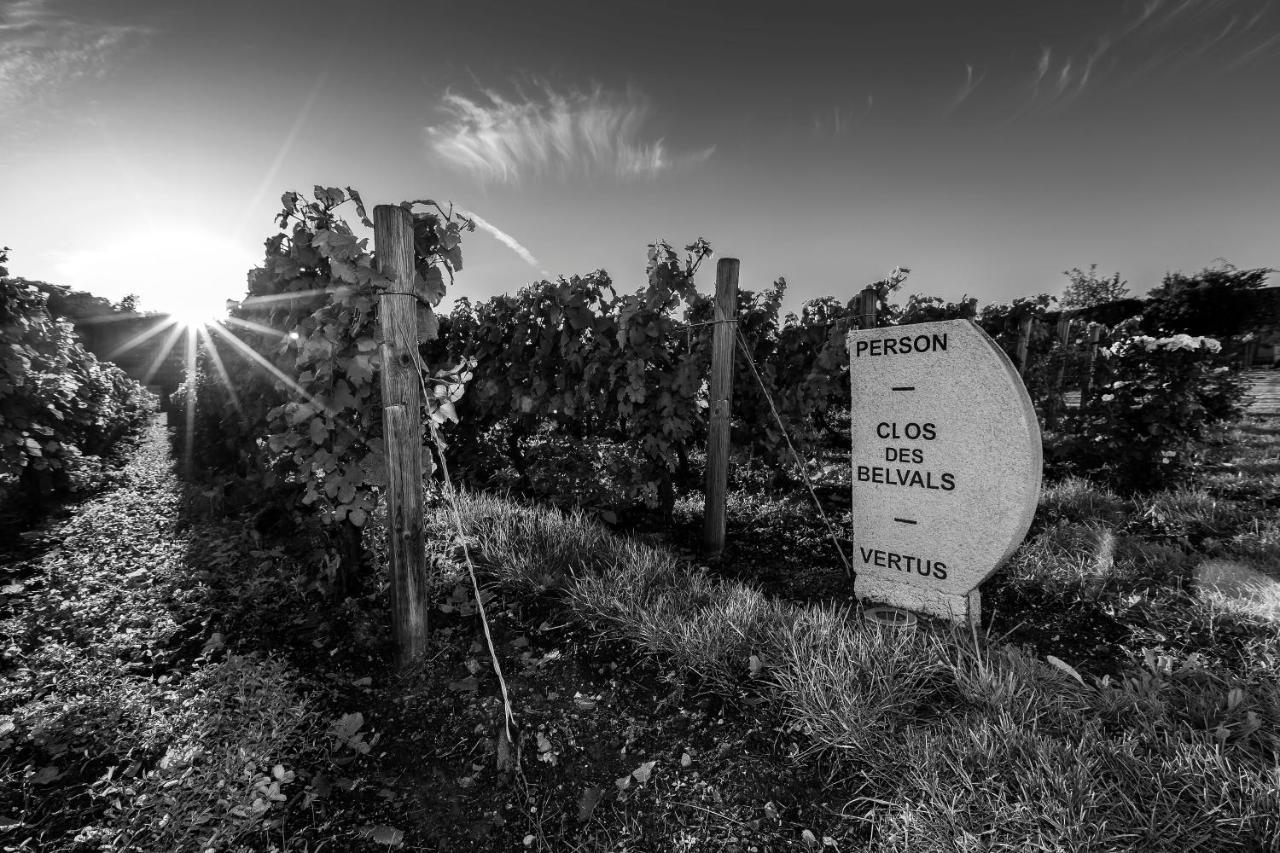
(42, 51)
(1267, 47)
(1226, 29)
(1042, 66)
(839, 119)
(1059, 79)
(505, 239)
(971, 82)
(593, 133)
(1166, 36)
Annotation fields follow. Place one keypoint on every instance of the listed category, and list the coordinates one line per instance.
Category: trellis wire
(509, 716)
(804, 471)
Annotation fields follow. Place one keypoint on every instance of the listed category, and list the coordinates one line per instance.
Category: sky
(987, 146)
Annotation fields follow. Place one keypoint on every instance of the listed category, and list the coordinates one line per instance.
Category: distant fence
(1264, 392)
(1056, 354)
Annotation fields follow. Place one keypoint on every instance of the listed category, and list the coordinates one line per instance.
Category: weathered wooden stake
(868, 307)
(1024, 343)
(1095, 332)
(722, 349)
(402, 429)
(1056, 402)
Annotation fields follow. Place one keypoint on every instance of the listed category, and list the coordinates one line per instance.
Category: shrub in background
(1087, 289)
(1154, 399)
(1214, 301)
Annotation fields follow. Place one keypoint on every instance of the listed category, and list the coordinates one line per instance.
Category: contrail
(505, 239)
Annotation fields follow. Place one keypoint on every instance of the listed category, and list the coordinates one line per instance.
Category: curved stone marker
(946, 464)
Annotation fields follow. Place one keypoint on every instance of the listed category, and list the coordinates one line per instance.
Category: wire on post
(804, 470)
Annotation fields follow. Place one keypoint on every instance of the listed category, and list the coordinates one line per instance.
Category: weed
(849, 685)
(1075, 499)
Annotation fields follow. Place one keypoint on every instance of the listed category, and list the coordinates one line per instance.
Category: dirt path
(123, 711)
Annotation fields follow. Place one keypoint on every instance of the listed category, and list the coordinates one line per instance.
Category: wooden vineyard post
(402, 430)
(1024, 343)
(722, 348)
(867, 308)
(1056, 403)
(1095, 331)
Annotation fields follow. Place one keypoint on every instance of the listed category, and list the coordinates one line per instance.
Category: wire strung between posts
(804, 470)
(509, 716)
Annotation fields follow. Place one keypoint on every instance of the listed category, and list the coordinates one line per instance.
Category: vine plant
(59, 405)
(297, 401)
(575, 357)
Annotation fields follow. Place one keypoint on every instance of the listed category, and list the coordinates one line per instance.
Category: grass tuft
(1243, 588)
(1075, 499)
(849, 684)
(1186, 514)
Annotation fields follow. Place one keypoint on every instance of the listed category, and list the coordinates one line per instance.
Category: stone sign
(946, 464)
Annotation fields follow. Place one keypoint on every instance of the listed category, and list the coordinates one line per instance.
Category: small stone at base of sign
(891, 617)
(963, 609)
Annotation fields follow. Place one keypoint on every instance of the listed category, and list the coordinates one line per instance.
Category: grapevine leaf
(446, 411)
(546, 752)
(360, 370)
(591, 797)
(47, 774)
(447, 234)
(381, 834)
(428, 324)
(343, 271)
(360, 210)
(329, 197)
(425, 240)
(429, 286)
(342, 397)
(345, 727)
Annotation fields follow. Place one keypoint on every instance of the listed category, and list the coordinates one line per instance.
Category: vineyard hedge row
(61, 408)
(575, 391)
(563, 360)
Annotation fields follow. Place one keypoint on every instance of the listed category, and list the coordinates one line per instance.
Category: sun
(197, 311)
(185, 272)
